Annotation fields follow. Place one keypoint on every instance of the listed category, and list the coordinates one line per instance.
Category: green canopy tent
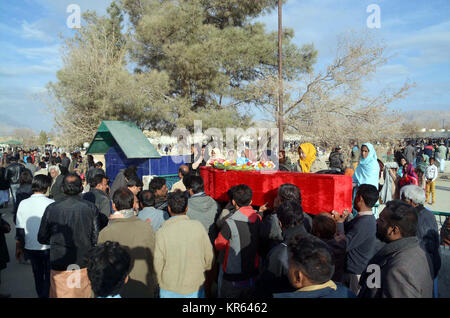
(127, 136)
(123, 145)
(13, 143)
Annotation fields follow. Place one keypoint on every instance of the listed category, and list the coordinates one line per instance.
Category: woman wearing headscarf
(409, 177)
(307, 156)
(368, 169)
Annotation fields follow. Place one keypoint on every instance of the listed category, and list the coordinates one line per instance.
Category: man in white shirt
(29, 215)
(431, 174)
(183, 171)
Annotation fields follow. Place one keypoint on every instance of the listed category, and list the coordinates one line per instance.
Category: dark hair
(432, 158)
(26, 177)
(90, 161)
(96, 180)
(41, 183)
(289, 192)
(312, 258)
(196, 184)
(134, 181)
(369, 193)
(184, 172)
(108, 265)
(123, 198)
(323, 227)
(99, 164)
(147, 198)
(29, 159)
(130, 172)
(404, 216)
(42, 165)
(177, 202)
(242, 195)
(187, 180)
(156, 184)
(72, 184)
(290, 214)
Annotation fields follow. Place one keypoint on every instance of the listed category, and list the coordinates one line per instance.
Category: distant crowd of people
(123, 241)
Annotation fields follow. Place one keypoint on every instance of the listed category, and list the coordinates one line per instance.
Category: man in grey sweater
(400, 269)
(202, 207)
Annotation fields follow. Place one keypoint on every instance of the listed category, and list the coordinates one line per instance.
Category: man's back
(13, 172)
(29, 216)
(183, 253)
(71, 227)
(441, 152)
(361, 235)
(139, 239)
(239, 237)
(204, 209)
(154, 216)
(428, 235)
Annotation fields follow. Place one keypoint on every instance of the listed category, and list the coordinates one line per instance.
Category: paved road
(17, 279)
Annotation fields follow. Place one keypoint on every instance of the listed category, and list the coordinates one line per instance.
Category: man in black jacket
(71, 229)
(13, 172)
(274, 276)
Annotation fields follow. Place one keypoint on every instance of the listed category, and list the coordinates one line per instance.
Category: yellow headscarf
(310, 152)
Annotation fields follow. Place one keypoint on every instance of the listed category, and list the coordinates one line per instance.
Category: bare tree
(333, 106)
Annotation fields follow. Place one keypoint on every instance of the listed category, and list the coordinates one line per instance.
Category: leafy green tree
(43, 138)
(212, 51)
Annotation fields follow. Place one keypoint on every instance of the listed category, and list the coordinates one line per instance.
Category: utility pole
(280, 76)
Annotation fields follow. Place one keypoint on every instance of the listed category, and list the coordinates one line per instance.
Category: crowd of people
(123, 241)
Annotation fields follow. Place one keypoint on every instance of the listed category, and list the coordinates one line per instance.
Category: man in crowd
(71, 228)
(311, 267)
(239, 239)
(274, 277)
(427, 228)
(359, 234)
(183, 172)
(148, 213)
(431, 174)
(56, 191)
(271, 234)
(337, 159)
(202, 207)
(159, 189)
(400, 269)
(29, 215)
(324, 227)
(42, 169)
(441, 156)
(139, 240)
(13, 172)
(30, 166)
(122, 178)
(183, 253)
(98, 194)
(410, 153)
(65, 161)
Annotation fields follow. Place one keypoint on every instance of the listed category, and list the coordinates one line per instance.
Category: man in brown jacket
(183, 253)
(139, 239)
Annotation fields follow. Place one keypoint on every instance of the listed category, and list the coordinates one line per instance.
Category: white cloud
(31, 31)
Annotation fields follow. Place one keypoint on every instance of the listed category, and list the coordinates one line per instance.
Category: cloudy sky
(416, 32)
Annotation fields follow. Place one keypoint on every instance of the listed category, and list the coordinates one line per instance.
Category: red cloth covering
(320, 192)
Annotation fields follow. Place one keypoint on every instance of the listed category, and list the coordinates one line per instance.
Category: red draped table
(320, 192)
